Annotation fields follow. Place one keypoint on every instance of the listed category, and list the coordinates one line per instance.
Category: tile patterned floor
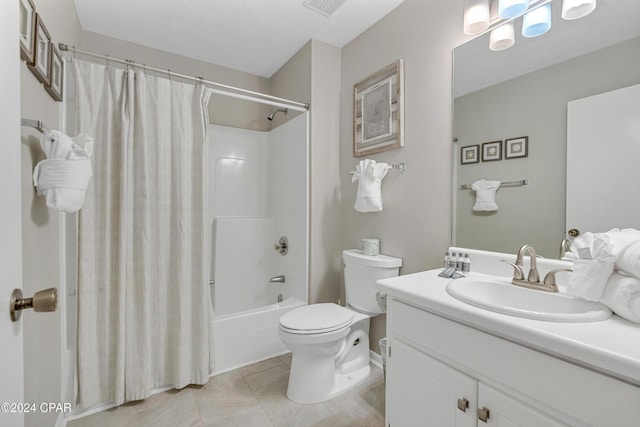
(251, 396)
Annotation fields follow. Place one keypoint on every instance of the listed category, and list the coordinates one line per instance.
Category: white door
(11, 374)
(424, 392)
(603, 148)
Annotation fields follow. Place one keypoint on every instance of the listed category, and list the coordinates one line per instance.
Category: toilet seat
(316, 319)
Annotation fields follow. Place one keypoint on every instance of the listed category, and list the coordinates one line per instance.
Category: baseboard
(375, 359)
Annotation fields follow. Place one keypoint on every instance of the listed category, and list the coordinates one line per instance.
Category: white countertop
(611, 347)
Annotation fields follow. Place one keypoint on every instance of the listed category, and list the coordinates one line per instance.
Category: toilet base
(342, 383)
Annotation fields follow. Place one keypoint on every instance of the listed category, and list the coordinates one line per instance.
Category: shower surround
(258, 191)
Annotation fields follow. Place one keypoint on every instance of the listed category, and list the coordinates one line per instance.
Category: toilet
(329, 343)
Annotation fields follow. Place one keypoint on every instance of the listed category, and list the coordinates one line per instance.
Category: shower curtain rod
(245, 94)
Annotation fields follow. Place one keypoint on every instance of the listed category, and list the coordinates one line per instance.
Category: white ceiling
(256, 36)
(477, 67)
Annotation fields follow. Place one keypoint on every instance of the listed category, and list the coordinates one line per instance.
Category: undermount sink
(500, 296)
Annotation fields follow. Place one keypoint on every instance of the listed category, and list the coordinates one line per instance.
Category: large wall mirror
(524, 91)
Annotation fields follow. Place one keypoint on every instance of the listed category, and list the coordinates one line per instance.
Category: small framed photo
(492, 151)
(470, 154)
(56, 74)
(515, 148)
(42, 53)
(27, 30)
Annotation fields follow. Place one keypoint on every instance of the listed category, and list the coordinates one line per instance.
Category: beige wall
(313, 75)
(223, 110)
(534, 105)
(40, 226)
(415, 222)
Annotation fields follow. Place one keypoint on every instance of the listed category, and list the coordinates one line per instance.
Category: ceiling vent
(323, 7)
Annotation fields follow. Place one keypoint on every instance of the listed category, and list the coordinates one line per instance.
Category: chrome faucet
(533, 278)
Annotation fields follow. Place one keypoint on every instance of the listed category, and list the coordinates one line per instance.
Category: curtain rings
(107, 60)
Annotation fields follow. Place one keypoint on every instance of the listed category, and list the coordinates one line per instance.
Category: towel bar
(503, 184)
(399, 166)
(36, 124)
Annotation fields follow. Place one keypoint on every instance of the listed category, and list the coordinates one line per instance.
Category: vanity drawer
(567, 391)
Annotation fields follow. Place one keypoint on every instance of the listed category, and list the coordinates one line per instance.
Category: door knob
(46, 300)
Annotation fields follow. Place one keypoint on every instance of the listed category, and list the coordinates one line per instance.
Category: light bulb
(537, 22)
(476, 16)
(502, 37)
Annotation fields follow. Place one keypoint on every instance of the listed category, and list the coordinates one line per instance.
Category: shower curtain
(143, 293)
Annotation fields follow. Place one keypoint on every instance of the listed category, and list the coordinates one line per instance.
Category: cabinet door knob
(463, 404)
(483, 414)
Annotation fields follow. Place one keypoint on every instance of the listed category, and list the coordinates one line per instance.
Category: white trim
(375, 359)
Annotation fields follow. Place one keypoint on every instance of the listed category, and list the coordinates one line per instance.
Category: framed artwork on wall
(42, 52)
(516, 147)
(56, 74)
(492, 151)
(378, 117)
(27, 29)
(470, 154)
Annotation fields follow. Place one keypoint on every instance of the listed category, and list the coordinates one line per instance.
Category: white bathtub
(249, 336)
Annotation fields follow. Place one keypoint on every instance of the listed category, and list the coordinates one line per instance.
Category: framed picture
(378, 120)
(492, 151)
(56, 74)
(27, 29)
(470, 154)
(516, 147)
(42, 52)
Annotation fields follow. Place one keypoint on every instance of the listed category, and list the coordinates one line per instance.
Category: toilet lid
(316, 318)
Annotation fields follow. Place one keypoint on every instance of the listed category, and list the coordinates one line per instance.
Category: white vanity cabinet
(425, 392)
(436, 364)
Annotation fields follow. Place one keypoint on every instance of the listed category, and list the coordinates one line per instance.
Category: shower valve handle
(282, 247)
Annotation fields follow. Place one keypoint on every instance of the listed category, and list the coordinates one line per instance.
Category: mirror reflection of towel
(369, 175)
(485, 195)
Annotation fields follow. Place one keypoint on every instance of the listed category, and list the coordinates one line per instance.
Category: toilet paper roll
(371, 247)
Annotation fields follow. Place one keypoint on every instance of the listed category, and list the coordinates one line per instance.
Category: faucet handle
(517, 270)
(550, 277)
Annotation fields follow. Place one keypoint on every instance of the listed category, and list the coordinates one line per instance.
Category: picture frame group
(39, 52)
(513, 148)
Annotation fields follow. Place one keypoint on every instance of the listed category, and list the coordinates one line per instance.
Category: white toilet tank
(361, 272)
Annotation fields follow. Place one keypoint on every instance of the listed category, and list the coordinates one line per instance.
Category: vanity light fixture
(537, 22)
(502, 37)
(476, 16)
(575, 9)
(498, 16)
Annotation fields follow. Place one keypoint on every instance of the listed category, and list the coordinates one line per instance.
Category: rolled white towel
(629, 260)
(63, 182)
(589, 278)
(622, 296)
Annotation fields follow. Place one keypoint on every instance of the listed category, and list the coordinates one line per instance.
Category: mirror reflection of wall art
(27, 26)
(516, 147)
(56, 73)
(378, 111)
(492, 151)
(469, 154)
(40, 64)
